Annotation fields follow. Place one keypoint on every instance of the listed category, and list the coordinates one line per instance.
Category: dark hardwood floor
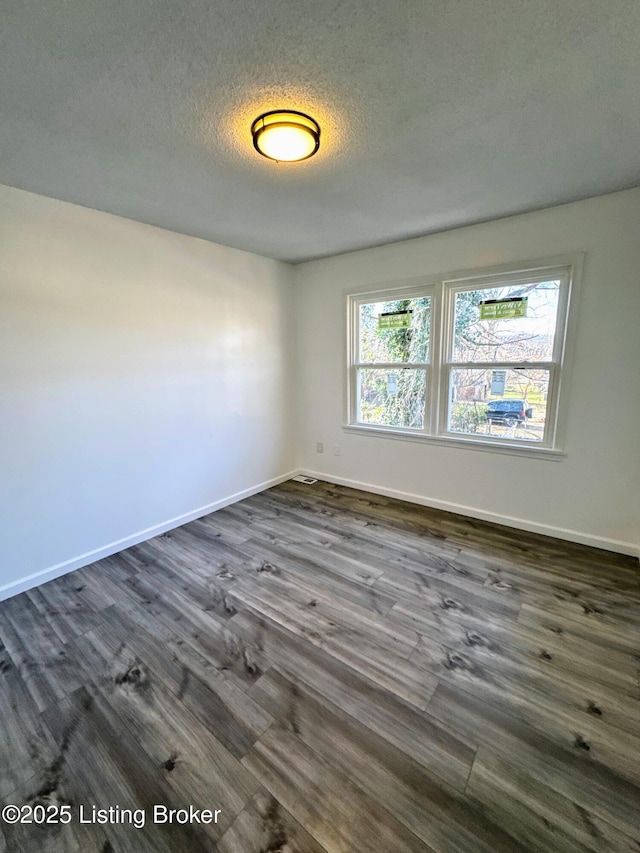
(333, 671)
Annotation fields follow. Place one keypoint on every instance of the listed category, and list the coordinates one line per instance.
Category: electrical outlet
(320, 447)
(336, 450)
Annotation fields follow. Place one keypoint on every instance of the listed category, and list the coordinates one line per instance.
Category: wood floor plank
(195, 553)
(438, 594)
(286, 526)
(555, 618)
(537, 815)
(226, 710)
(38, 651)
(595, 787)
(528, 582)
(617, 614)
(562, 724)
(314, 574)
(178, 576)
(26, 748)
(287, 647)
(502, 647)
(198, 767)
(338, 814)
(430, 743)
(227, 528)
(203, 630)
(374, 630)
(349, 565)
(87, 587)
(265, 826)
(50, 791)
(409, 729)
(67, 614)
(382, 666)
(521, 678)
(398, 557)
(120, 566)
(119, 774)
(434, 811)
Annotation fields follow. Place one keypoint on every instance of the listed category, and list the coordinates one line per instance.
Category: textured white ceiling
(434, 113)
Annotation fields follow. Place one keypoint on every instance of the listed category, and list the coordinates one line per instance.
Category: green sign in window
(503, 309)
(394, 320)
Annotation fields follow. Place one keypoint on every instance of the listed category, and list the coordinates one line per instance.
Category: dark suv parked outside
(509, 412)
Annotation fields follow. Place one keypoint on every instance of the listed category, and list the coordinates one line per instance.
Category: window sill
(533, 452)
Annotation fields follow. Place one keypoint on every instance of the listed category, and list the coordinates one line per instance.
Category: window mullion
(502, 365)
(432, 414)
(391, 365)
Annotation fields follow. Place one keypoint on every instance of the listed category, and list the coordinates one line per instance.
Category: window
(473, 359)
(393, 360)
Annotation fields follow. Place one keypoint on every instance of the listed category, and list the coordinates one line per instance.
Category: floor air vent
(300, 478)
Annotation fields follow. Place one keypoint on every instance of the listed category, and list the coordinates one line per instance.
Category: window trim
(442, 290)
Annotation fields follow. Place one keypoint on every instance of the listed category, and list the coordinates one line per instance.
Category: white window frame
(442, 292)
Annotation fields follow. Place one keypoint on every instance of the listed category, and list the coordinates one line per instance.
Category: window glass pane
(385, 338)
(392, 397)
(502, 337)
(507, 404)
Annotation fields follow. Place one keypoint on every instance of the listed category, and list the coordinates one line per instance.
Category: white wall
(144, 375)
(593, 495)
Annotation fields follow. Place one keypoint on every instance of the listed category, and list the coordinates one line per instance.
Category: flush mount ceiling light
(286, 135)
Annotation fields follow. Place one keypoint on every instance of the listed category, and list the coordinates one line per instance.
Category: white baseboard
(620, 547)
(37, 578)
